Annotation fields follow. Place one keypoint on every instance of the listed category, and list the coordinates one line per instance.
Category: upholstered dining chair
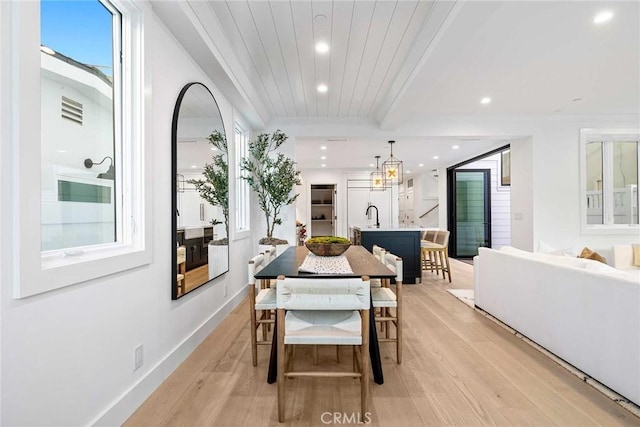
(319, 311)
(439, 252)
(385, 299)
(262, 302)
(182, 263)
(377, 252)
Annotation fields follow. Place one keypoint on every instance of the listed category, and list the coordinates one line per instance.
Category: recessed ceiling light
(455, 147)
(47, 50)
(193, 166)
(602, 17)
(486, 100)
(322, 47)
(421, 164)
(323, 157)
(214, 149)
(436, 157)
(323, 165)
(323, 147)
(319, 18)
(408, 171)
(371, 165)
(62, 151)
(322, 88)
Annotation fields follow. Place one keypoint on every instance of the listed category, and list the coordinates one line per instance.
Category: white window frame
(242, 228)
(607, 136)
(34, 271)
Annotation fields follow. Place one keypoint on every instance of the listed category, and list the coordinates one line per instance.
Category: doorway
(469, 212)
(323, 210)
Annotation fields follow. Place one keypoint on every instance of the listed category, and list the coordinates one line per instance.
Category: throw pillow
(589, 254)
(636, 254)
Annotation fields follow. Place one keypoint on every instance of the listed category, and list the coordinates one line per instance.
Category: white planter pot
(218, 260)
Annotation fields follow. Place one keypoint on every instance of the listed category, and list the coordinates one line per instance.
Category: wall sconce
(109, 174)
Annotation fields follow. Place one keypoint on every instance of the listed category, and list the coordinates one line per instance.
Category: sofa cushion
(589, 254)
(636, 254)
(547, 249)
(552, 259)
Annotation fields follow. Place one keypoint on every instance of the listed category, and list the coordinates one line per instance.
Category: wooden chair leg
(364, 365)
(446, 257)
(252, 326)
(280, 364)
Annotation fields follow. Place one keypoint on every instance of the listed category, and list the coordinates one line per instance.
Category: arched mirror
(200, 191)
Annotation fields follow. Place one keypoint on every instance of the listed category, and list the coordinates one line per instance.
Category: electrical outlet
(138, 356)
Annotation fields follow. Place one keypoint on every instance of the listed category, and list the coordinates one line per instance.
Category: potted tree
(214, 188)
(272, 176)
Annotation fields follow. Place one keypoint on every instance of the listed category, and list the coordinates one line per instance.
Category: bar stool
(440, 252)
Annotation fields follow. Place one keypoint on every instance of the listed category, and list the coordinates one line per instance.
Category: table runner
(325, 264)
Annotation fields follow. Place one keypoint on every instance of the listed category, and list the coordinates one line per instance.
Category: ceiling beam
(442, 15)
(197, 28)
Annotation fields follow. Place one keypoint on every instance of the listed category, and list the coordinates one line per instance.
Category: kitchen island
(401, 241)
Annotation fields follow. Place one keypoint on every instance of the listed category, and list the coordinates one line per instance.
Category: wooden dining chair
(262, 304)
(323, 312)
(385, 299)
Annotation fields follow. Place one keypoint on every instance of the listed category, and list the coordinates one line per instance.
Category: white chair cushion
(375, 283)
(383, 297)
(266, 299)
(323, 327)
(323, 294)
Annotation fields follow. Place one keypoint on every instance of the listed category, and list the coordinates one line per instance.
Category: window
(609, 180)
(77, 124)
(242, 186)
(79, 60)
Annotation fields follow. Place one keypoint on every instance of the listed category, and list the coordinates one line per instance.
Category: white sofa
(585, 312)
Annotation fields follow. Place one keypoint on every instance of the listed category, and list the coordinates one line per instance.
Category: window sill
(59, 270)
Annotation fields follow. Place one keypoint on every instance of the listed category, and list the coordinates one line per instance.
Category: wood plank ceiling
(374, 47)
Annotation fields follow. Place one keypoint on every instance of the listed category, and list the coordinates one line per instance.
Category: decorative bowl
(327, 249)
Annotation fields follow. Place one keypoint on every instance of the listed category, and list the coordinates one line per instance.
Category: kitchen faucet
(367, 213)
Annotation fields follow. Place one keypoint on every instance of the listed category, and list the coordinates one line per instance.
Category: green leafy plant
(272, 176)
(214, 188)
(328, 239)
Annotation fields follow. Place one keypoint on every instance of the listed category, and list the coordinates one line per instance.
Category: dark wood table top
(362, 262)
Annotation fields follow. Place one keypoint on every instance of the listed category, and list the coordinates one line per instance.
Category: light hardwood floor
(459, 368)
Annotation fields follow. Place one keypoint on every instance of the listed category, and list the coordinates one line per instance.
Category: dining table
(362, 263)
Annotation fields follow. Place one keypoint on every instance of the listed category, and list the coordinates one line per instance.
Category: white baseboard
(126, 404)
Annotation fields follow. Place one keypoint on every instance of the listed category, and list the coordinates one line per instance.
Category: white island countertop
(382, 228)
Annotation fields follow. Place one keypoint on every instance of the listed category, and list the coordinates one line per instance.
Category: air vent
(71, 110)
(410, 183)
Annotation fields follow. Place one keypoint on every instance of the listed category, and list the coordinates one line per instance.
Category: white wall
(67, 355)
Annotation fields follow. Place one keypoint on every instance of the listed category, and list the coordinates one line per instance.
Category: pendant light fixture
(392, 169)
(376, 178)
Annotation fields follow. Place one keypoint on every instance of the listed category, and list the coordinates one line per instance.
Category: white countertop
(382, 228)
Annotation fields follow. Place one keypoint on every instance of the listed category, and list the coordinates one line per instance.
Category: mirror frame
(174, 186)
